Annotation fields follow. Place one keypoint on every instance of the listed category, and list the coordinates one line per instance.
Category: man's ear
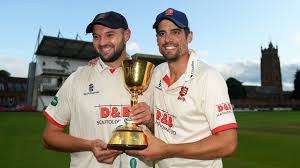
(127, 34)
(190, 37)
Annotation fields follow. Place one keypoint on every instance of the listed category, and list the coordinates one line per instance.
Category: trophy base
(123, 147)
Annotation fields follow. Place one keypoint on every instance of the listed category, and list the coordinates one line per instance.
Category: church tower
(270, 68)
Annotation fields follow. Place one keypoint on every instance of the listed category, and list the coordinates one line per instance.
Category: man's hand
(140, 114)
(156, 150)
(102, 154)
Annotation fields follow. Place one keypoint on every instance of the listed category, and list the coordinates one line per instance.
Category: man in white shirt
(194, 122)
(93, 101)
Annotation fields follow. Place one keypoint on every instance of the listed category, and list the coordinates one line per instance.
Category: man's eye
(176, 32)
(110, 35)
(95, 36)
(160, 34)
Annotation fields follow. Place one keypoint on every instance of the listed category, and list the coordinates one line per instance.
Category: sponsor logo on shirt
(112, 114)
(101, 64)
(133, 163)
(91, 87)
(54, 101)
(165, 121)
(193, 69)
(159, 85)
(91, 90)
(224, 108)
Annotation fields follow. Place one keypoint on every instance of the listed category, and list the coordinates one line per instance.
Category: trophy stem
(134, 98)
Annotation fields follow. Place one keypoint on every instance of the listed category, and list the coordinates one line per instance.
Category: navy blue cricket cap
(177, 17)
(110, 19)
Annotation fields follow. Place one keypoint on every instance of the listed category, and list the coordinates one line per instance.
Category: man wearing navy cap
(93, 101)
(194, 122)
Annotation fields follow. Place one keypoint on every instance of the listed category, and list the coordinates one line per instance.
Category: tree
(296, 92)
(4, 74)
(235, 89)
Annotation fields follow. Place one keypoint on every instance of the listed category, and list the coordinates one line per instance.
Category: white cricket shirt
(93, 102)
(196, 106)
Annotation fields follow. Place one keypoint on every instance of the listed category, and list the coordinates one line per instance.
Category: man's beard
(171, 58)
(117, 54)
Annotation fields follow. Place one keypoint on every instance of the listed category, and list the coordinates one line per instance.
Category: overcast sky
(227, 34)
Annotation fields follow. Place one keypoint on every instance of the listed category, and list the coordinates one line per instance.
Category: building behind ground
(270, 94)
(12, 92)
(56, 58)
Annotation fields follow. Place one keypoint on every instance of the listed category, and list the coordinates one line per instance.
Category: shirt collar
(188, 74)
(191, 66)
(101, 66)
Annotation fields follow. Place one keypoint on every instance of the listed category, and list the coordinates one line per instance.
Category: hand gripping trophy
(137, 75)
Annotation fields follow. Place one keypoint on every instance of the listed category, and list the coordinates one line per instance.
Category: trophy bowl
(137, 75)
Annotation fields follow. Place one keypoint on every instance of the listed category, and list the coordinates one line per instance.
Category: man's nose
(168, 37)
(102, 41)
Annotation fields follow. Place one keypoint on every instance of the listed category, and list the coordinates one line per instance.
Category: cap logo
(169, 12)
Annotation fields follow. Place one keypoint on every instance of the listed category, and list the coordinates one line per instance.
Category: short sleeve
(217, 106)
(58, 111)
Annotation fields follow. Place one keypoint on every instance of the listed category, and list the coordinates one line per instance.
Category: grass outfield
(20, 142)
(266, 140)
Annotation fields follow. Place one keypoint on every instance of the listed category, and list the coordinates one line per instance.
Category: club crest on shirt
(183, 91)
